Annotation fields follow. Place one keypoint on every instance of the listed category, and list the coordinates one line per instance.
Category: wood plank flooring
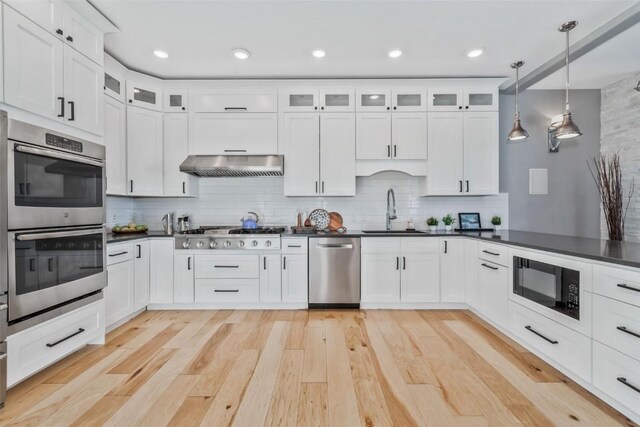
(304, 368)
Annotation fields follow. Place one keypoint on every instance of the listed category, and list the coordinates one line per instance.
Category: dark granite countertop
(117, 238)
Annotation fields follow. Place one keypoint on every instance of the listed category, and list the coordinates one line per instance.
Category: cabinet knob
(315, 108)
(460, 107)
(183, 108)
(388, 108)
(467, 107)
(322, 108)
(395, 107)
(59, 31)
(130, 101)
(69, 38)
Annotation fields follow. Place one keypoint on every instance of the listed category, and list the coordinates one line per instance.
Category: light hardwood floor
(304, 368)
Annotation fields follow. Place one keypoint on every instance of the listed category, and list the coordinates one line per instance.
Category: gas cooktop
(230, 238)
(230, 230)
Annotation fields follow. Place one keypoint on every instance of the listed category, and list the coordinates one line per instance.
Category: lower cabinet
(617, 374)
(493, 291)
(119, 294)
(271, 278)
(294, 278)
(183, 285)
(452, 271)
(141, 269)
(161, 276)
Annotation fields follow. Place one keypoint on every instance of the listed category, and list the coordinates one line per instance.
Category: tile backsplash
(224, 201)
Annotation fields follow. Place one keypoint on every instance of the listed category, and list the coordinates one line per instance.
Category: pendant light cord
(567, 67)
(517, 91)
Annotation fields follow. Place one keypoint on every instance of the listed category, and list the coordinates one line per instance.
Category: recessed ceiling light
(395, 53)
(474, 53)
(161, 54)
(319, 53)
(241, 53)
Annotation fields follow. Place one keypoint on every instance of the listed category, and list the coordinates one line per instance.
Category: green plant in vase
(448, 221)
(432, 222)
(497, 222)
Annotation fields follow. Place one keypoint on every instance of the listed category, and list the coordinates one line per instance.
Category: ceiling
(433, 35)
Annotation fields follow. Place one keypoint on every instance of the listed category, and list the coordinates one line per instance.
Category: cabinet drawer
(565, 346)
(39, 346)
(380, 245)
(119, 252)
(227, 290)
(420, 244)
(617, 283)
(227, 266)
(297, 245)
(494, 253)
(617, 375)
(617, 325)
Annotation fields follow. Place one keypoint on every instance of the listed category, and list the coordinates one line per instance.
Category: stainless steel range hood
(237, 166)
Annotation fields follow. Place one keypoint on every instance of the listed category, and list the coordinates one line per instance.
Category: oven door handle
(55, 234)
(58, 155)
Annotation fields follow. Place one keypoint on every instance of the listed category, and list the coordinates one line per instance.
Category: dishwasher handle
(335, 245)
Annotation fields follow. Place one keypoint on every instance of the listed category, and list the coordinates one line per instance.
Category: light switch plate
(538, 181)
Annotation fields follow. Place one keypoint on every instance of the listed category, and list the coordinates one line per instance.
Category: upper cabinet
(337, 100)
(445, 99)
(373, 100)
(115, 141)
(114, 79)
(144, 91)
(83, 90)
(469, 99)
(234, 100)
(175, 100)
(481, 99)
(315, 99)
(45, 13)
(144, 151)
(409, 100)
(176, 149)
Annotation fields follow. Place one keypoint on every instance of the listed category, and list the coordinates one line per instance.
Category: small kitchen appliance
(167, 223)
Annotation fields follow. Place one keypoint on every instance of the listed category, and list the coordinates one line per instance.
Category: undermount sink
(391, 231)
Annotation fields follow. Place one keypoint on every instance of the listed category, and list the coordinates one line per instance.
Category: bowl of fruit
(130, 228)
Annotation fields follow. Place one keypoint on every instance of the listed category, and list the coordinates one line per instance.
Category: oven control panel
(64, 143)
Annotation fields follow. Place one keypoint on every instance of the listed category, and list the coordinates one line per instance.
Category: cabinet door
(271, 278)
(45, 13)
(299, 100)
(144, 148)
(233, 133)
(338, 154)
(161, 272)
(145, 95)
(445, 99)
(83, 89)
(83, 36)
(115, 141)
(452, 270)
(294, 278)
(373, 136)
(114, 82)
(33, 71)
(176, 149)
(444, 165)
(471, 272)
(420, 277)
(481, 153)
(183, 278)
(141, 269)
(410, 100)
(175, 100)
(373, 100)
(302, 156)
(409, 136)
(380, 277)
(337, 100)
(481, 99)
(118, 295)
(234, 100)
(493, 292)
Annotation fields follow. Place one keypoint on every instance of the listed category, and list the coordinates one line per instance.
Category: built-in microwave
(552, 286)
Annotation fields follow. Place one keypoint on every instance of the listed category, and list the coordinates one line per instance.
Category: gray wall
(620, 120)
(572, 206)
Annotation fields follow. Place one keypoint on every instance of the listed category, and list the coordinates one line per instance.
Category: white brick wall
(227, 200)
(620, 132)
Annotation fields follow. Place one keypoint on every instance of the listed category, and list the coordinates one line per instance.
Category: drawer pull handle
(488, 266)
(530, 329)
(626, 331)
(235, 108)
(624, 381)
(490, 253)
(234, 151)
(294, 246)
(119, 253)
(78, 332)
(226, 266)
(625, 286)
(227, 290)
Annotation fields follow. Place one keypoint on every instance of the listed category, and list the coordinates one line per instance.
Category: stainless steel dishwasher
(334, 272)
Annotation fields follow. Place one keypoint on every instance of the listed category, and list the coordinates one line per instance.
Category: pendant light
(637, 88)
(518, 133)
(567, 128)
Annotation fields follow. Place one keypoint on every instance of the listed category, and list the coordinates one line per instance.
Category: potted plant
(432, 222)
(497, 222)
(448, 221)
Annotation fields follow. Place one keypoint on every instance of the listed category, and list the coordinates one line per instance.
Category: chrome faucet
(391, 208)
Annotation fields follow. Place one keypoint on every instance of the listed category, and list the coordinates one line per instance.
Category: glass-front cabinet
(413, 100)
(175, 100)
(373, 100)
(481, 99)
(445, 99)
(336, 100)
(144, 92)
(299, 99)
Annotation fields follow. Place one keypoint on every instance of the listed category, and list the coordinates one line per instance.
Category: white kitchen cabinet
(233, 133)
(481, 99)
(82, 35)
(337, 100)
(183, 278)
(467, 99)
(295, 278)
(119, 293)
(420, 270)
(444, 165)
(445, 99)
(480, 153)
(271, 278)
(33, 67)
(144, 149)
(144, 91)
(372, 100)
(161, 273)
(380, 277)
(493, 292)
(320, 154)
(471, 272)
(175, 100)
(83, 91)
(234, 100)
(409, 136)
(141, 269)
(45, 13)
(114, 79)
(409, 99)
(373, 136)
(176, 150)
(115, 141)
(301, 100)
(1, 55)
(452, 271)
